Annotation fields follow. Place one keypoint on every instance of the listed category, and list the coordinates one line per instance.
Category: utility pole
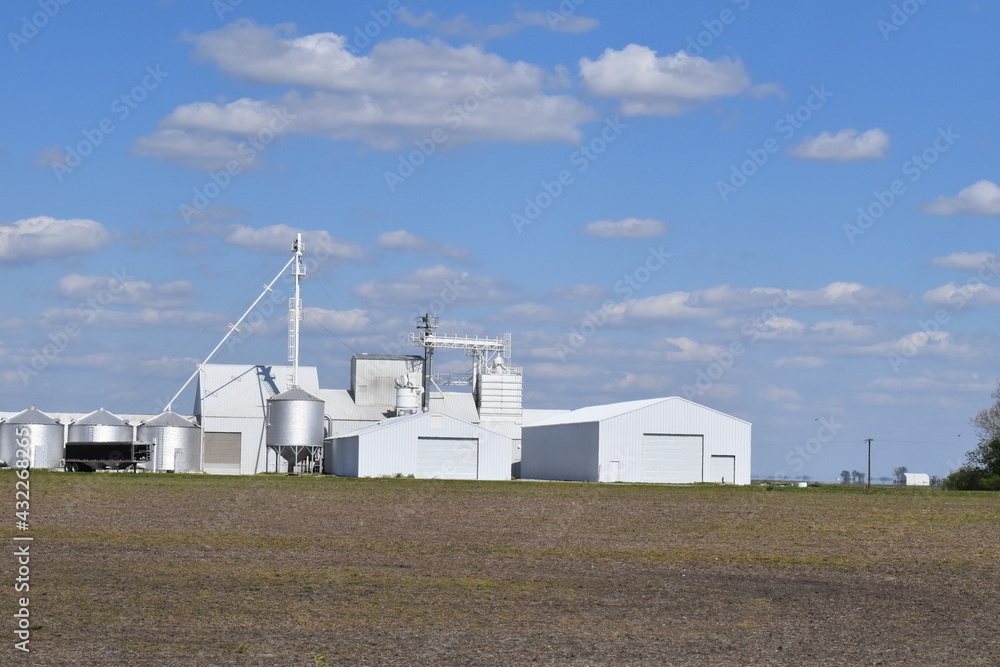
(868, 485)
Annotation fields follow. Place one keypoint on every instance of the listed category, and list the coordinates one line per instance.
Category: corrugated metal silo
(100, 426)
(177, 440)
(44, 433)
(295, 424)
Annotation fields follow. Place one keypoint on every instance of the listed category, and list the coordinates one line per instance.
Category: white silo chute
(43, 434)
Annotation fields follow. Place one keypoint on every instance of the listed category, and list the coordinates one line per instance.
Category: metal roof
(601, 412)
(457, 404)
(533, 416)
(101, 417)
(295, 394)
(340, 406)
(169, 418)
(32, 416)
(395, 421)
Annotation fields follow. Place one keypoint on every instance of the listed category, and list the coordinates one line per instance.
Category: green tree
(987, 421)
(981, 470)
(845, 476)
(900, 474)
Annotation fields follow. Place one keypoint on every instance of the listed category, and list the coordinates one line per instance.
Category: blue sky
(784, 211)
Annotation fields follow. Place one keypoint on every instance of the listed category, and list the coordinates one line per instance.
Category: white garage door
(723, 469)
(447, 458)
(222, 453)
(671, 459)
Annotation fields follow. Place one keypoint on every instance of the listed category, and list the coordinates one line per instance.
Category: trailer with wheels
(93, 456)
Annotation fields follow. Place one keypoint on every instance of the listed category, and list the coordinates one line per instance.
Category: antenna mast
(295, 310)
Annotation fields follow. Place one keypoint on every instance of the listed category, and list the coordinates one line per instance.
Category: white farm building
(427, 445)
(917, 479)
(666, 440)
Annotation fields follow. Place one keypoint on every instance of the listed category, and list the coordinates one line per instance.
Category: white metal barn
(917, 479)
(665, 440)
(427, 445)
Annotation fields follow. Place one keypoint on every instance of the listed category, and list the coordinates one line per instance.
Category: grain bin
(177, 442)
(295, 425)
(44, 435)
(100, 426)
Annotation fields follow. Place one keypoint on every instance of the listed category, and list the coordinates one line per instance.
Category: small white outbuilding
(664, 440)
(917, 479)
(427, 445)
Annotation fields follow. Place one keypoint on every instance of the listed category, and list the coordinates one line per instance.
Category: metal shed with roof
(662, 440)
(427, 445)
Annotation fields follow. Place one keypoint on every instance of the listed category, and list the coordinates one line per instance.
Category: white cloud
(122, 320)
(629, 228)
(834, 295)
(43, 237)
(674, 306)
(340, 321)
(852, 296)
(801, 362)
(685, 349)
(114, 289)
(202, 219)
(403, 90)
(975, 293)
(529, 312)
(432, 289)
(50, 157)
(192, 149)
(845, 146)
(652, 383)
(579, 292)
(564, 371)
(934, 343)
(966, 260)
(649, 85)
(982, 198)
(558, 21)
(773, 394)
(843, 331)
(403, 240)
(778, 328)
(279, 238)
(770, 302)
(463, 26)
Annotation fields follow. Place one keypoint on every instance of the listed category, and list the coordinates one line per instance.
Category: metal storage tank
(295, 424)
(45, 435)
(99, 426)
(177, 440)
(407, 401)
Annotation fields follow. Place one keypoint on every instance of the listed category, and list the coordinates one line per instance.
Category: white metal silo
(177, 442)
(99, 426)
(43, 433)
(295, 425)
